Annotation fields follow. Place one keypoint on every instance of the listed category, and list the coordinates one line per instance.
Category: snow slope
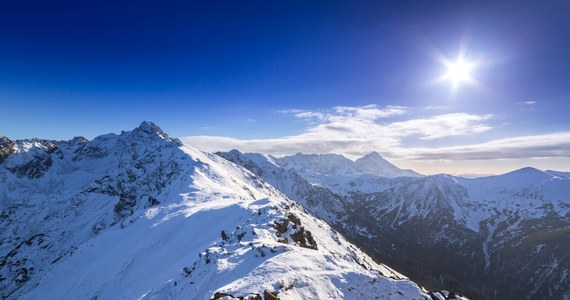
(141, 216)
(491, 237)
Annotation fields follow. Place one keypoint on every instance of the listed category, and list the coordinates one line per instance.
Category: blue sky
(266, 75)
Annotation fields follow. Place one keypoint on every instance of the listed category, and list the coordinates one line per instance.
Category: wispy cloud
(530, 102)
(440, 126)
(355, 131)
(435, 107)
(367, 112)
(289, 111)
(309, 115)
(532, 146)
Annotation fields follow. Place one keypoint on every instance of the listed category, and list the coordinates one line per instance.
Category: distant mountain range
(338, 165)
(497, 237)
(141, 216)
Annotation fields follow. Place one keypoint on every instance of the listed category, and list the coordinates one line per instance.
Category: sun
(459, 71)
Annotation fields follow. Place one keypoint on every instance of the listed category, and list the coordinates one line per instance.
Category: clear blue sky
(236, 69)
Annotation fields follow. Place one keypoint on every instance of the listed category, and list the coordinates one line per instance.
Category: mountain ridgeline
(497, 237)
(139, 215)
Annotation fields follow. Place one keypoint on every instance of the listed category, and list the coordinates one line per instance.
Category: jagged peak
(5, 141)
(150, 129)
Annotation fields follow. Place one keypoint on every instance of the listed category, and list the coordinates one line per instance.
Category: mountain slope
(141, 216)
(491, 237)
(323, 203)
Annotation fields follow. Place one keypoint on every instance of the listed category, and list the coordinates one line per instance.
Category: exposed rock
(299, 236)
(7, 147)
(218, 295)
(270, 295)
(34, 168)
(281, 227)
(224, 236)
(304, 238)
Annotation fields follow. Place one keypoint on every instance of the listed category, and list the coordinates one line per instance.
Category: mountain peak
(150, 129)
(520, 178)
(372, 156)
(233, 152)
(527, 171)
(78, 140)
(374, 163)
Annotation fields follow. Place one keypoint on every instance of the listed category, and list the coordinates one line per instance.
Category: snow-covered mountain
(141, 216)
(338, 165)
(375, 164)
(493, 237)
(340, 174)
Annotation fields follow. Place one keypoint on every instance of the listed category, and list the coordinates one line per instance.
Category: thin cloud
(337, 113)
(355, 131)
(435, 107)
(289, 111)
(309, 115)
(534, 146)
(531, 102)
(369, 112)
(441, 126)
(537, 146)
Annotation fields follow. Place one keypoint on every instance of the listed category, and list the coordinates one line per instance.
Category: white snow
(336, 164)
(173, 249)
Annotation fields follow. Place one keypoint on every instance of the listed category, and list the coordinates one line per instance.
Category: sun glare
(458, 71)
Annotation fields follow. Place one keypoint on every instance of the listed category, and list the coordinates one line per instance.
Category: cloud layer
(356, 131)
